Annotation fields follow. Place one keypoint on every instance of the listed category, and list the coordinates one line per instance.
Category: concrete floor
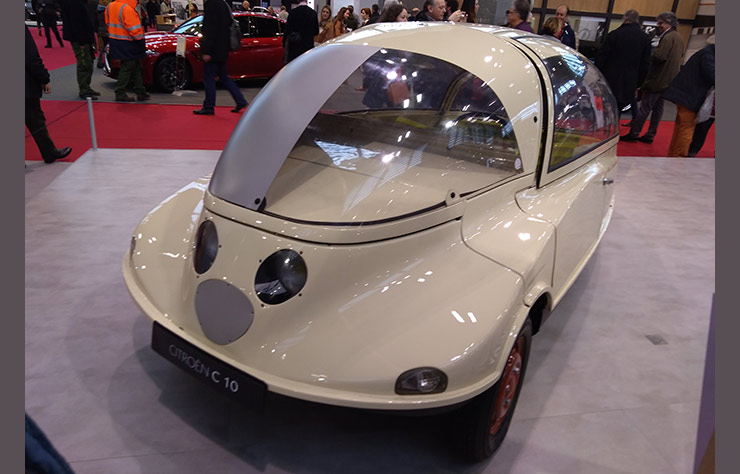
(599, 397)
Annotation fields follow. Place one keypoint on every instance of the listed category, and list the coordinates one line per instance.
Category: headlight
(206, 247)
(280, 277)
(421, 381)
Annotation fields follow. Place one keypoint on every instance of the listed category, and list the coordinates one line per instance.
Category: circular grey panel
(224, 312)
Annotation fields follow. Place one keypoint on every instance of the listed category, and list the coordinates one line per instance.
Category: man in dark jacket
(688, 91)
(79, 31)
(665, 61)
(214, 51)
(567, 35)
(624, 59)
(49, 16)
(301, 27)
(38, 80)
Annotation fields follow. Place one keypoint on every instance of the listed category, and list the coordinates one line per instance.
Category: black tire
(479, 433)
(172, 73)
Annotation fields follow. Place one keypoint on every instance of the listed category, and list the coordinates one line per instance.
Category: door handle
(607, 181)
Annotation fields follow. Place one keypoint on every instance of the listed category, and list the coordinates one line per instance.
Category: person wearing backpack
(214, 51)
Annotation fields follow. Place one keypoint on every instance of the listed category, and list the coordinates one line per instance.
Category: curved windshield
(402, 133)
(191, 27)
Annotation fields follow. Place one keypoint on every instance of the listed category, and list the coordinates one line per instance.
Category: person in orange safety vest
(126, 40)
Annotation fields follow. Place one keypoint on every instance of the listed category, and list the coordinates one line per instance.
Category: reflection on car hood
(161, 38)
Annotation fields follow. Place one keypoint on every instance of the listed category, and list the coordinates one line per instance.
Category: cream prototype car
(390, 222)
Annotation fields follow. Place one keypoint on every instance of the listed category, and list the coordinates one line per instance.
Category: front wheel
(484, 421)
(172, 73)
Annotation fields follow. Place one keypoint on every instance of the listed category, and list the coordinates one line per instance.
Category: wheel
(172, 73)
(483, 423)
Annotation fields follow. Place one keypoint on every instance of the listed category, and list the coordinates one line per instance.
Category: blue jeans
(211, 70)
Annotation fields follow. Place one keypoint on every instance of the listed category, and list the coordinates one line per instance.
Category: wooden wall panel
(644, 7)
(538, 4)
(685, 32)
(687, 9)
(597, 6)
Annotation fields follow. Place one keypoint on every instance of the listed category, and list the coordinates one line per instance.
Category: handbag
(707, 108)
(235, 33)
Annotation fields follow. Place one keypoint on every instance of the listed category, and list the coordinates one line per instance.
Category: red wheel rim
(508, 385)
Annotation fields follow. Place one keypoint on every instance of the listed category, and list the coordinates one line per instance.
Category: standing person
(165, 8)
(374, 14)
(326, 26)
(78, 30)
(352, 22)
(49, 15)
(364, 16)
(567, 35)
(470, 8)
(339, 28)
(102, 30)
(126, 40)
(517, 16)
(283, 15)
(214, 50)
(38, 80)
(141, 10)
(665, 61)
(624, 59)
(152, 10)
(35, 4)
(393, 13)
(552, 27)
(435, 10)
(300, 29)
(688, 90)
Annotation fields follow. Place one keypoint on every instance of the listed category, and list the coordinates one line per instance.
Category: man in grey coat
(665, 62)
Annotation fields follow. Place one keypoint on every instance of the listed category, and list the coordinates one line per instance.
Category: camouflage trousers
(84, 57)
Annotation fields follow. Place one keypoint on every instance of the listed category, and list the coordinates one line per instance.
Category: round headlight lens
(421, 381)
(280, 277)
(206, 247)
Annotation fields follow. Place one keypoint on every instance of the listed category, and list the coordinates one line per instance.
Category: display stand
(180, 67)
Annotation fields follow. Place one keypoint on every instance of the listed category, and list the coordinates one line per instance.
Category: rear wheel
(484, 421)
(172, 73)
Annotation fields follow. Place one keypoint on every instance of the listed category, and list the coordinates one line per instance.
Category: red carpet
(133, 126)
(54, 57)
(660, 144)
(175, 127)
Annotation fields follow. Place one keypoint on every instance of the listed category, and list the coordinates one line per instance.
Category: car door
(575, 188)
(261, 54)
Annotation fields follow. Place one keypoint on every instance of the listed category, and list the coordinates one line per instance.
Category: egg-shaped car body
(388, 225)
(260, 56)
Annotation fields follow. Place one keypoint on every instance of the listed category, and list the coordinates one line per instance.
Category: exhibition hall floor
(599, 396)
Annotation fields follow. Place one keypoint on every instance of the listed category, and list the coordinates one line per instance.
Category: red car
(261, 54)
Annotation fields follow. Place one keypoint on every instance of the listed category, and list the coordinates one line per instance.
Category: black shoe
(628, 138)
(58, 154)
(47, 46)
(89, 95)
(92, 92)
(239, 108)
(645, 139)
(203, 112)
(144, 96)
(126, 98)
